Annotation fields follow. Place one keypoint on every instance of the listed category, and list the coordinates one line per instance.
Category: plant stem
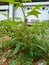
(25, 20)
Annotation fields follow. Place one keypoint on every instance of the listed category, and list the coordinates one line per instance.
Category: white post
(11, 11)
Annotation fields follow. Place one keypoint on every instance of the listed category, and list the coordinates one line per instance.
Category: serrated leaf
(35, 13)
(16, 49)
(40, 47)
(37, 7)
(13, 62)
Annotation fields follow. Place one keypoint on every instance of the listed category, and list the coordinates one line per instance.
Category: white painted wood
(2, 7)
(36, 3)
(2, 17)
(2, 12)
(11, 11)
(19, 14)
(44, 12)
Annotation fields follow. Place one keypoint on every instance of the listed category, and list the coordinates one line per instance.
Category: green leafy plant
(28, 44)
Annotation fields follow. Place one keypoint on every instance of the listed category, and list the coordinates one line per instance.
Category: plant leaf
(35, 13)
(16, 49)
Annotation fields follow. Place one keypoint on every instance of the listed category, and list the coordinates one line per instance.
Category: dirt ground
(4, 61)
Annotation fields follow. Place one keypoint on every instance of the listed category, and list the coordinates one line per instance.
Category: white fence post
(11, 11)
